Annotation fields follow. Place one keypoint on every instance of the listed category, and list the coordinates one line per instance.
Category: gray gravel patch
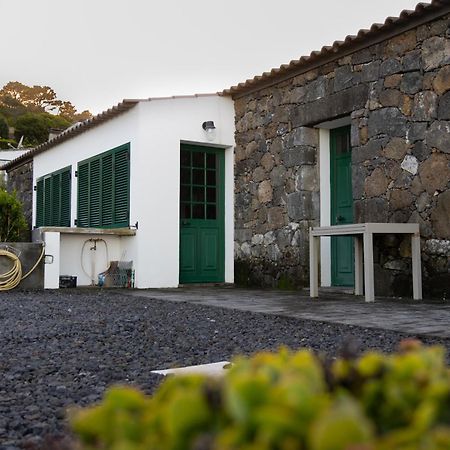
(64, 348)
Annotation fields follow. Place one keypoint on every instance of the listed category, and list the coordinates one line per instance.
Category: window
(53, 199)
(103, 189)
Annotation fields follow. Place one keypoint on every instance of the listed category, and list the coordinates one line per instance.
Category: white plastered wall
(155, 130)
(163, 125)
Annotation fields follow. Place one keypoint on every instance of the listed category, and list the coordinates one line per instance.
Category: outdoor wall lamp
(210, 129)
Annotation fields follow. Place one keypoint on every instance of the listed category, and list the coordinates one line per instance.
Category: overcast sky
(97, 52)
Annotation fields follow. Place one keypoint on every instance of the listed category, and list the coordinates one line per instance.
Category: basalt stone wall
(20, 179)
(397, 96)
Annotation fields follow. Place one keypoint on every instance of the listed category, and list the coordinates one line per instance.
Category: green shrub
(285, 401)
(12, 220)
(4, 144)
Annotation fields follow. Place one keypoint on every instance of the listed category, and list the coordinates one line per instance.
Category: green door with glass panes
(202, 230)
(342, 251)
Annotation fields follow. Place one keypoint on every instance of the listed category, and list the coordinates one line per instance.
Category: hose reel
(12, 278)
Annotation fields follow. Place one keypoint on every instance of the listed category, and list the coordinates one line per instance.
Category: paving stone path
(403, 315)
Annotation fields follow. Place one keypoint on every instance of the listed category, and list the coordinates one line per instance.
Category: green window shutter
(47, 201)
(55, 200)
(83, 195)
(66, 189)
(103, 189)
(121, 187)
(40, 203)
(107, 191)
(94, 193)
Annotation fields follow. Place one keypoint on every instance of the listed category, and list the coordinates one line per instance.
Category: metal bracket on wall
(48, 259)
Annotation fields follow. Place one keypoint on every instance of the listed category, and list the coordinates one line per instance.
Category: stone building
(356, 132)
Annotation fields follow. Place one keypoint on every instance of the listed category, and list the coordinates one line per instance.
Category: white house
(148, 181)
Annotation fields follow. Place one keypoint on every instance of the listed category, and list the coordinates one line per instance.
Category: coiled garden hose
(12, 278)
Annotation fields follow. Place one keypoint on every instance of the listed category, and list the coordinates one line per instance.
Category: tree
(35, 98)
(35, 127)
(12, 220)
(4, 128)
(17, 98)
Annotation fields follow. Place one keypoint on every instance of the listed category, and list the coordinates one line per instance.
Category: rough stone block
(299, 155)
(444, 107)
(410, 164)
(411, 82)
(276, 217)
(438, 136)
(369, 151)
(441, 82)
(416, 131)
(304, 136)
(317, 89)
(390, 67)
(376, 184)
(435, 52)
(338, 104)
(396, 149)
(371, 210)
(343, 78)
(370, 71)
(242, 235)
(440, 216)
(411, 61)
(265, 191)
(307, 179)
(435, 173)
(391, 97)
(420, 150)
(425, 106)
(401, 44)
(278, 176)
(389, 121)
(400, 199)
(303, 205)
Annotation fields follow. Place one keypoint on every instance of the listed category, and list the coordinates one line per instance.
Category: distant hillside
(30, 112)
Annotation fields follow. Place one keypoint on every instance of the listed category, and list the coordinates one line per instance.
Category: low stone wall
(29, 254)
(396, 95)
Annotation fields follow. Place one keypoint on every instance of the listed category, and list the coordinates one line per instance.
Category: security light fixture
(210, 129)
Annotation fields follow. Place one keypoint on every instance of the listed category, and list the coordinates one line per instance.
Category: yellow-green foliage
(285, 401)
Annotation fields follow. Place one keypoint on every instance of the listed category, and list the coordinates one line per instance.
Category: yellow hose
(12, 278)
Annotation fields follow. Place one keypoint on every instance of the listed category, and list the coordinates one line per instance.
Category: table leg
(358, 265)
(368, 267)
(416, 266)
(313, 265)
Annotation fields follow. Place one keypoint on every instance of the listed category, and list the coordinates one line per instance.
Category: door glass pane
(198, 176)
(198, 211)
(185, 210)
(211, 177)
(185, 158)
(198, 159)
(211, 212)
(185, 176)
(185, 193)
(210, 161)
(198, 194)
(211, 195)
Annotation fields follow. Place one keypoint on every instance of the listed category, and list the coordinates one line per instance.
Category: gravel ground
(64, 348)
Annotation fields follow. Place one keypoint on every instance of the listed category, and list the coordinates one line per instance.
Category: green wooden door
(202, 231)
(342, 249)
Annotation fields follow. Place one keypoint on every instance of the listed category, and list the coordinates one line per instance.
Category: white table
(363, 234)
